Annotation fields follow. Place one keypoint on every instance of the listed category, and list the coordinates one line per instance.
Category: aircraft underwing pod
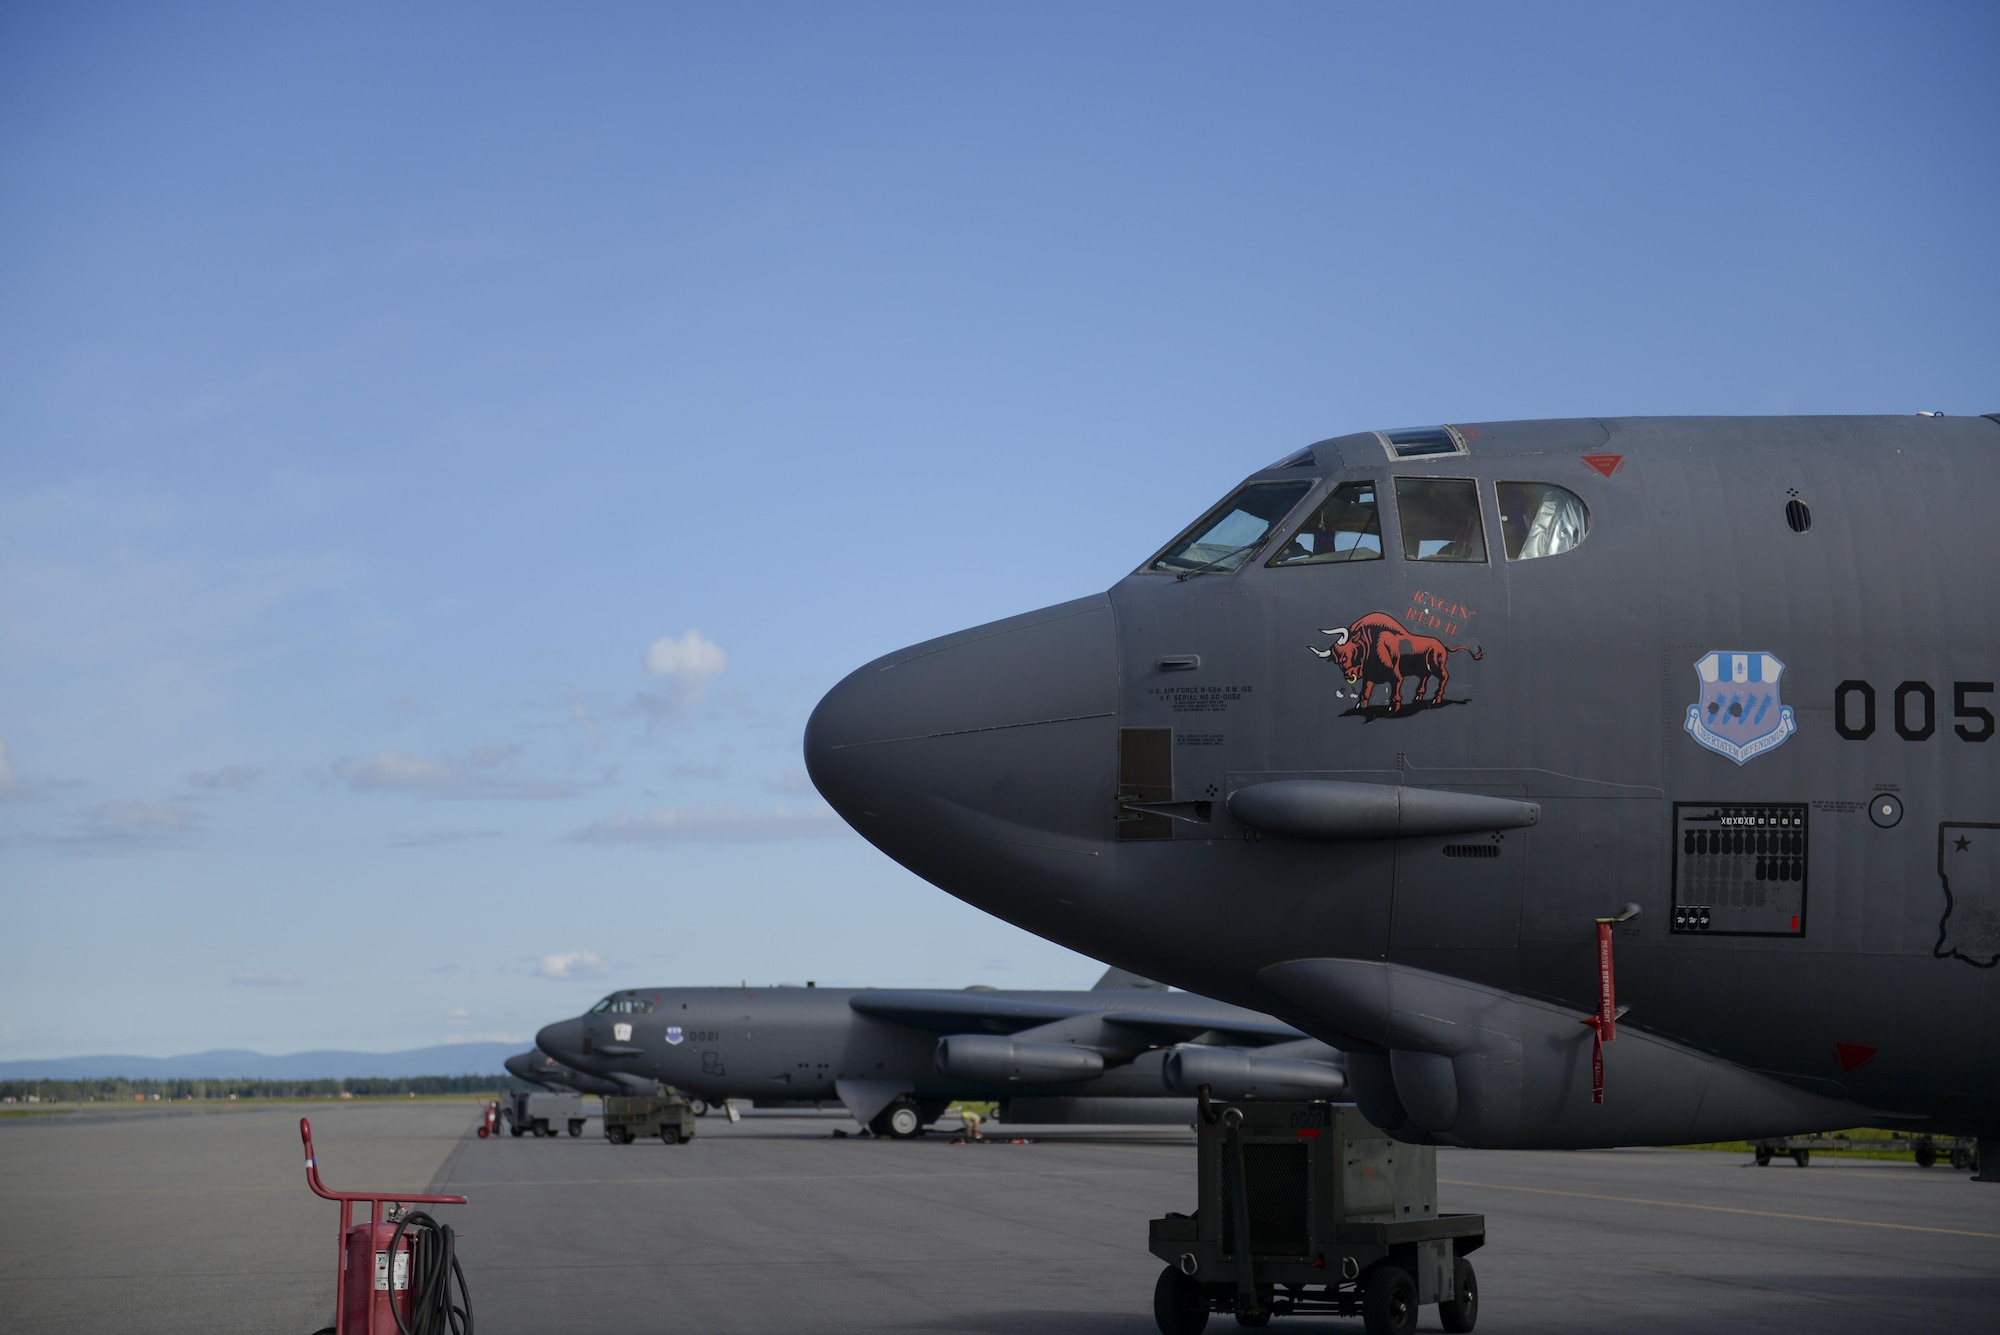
(1333, 809)
(1232, 1073)
(1003, 1060)
(1460, 1063)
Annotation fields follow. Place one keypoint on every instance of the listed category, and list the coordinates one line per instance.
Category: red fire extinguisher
(489, 1121)
(396, 1269)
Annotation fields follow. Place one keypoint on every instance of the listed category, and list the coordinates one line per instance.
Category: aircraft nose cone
(562, 1040)
(521, 1066)
(1004, 735)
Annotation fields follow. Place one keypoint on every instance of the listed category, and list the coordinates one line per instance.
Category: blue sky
(445, 451)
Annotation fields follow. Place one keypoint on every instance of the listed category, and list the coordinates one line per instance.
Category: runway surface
(773, 1225)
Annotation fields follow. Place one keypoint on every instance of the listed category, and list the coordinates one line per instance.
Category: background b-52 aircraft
(1448, 744)
(896, 1058)
(538, 1068)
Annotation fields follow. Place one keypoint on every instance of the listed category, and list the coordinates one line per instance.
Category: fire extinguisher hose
(433, 1268)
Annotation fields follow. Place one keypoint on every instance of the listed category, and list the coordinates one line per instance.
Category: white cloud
(263, 978)
(126, 826)
(458, 1016)
(677, 825)
(440, 838)
(480, 773)
(687, 663)
(578, 964)
(228, 779)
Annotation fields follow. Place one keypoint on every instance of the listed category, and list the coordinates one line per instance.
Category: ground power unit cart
(1304, 1208)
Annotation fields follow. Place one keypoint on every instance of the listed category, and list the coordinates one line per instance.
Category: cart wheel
(1462, 1312)
(1961, 1158)
(1926, 1153)
(670, 1135)
(1180, 1304)
(618, 1135)
(514, 1131)
(1802, 1157)
(1763, 1155)
(576, 1127)
(1388, 1301)
(1258, 1319)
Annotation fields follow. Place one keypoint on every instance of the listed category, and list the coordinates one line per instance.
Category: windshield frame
(1247, 555)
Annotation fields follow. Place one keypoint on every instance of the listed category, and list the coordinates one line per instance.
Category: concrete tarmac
(773, 1225)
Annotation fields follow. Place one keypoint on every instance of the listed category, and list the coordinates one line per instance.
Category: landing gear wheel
(900, 1120)
(670, 1135)
(1927, 1153)
(699, 1107)
(1388, 1301)
(1763, 1156)
(1180, 1304)
(1462, 1312)
(1802, 1157)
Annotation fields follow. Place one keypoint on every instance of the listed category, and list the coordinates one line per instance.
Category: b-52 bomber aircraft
(897, 1058)
(538, 1068)
(1589, 782)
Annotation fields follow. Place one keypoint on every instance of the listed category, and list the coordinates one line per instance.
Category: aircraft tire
(1388, 1301)
(699, 1107)
(1461, 1313)
(1180, 1304)
(1926, 1153)
(903, 1120)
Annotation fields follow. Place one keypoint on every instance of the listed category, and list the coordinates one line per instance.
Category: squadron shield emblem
(1738, 713)
(673, 1034)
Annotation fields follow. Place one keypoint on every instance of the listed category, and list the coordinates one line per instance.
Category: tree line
(129, 1091)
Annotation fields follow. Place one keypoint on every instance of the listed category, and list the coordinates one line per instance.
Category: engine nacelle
(1232, 1073)
(997, 1059)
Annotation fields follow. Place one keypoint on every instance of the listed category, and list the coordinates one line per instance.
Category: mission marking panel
(1740, 868)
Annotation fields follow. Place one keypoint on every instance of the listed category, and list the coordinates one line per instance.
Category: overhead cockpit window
(601, 1007)
(1440, 519)
(1418, 442)
(1540, 519)
(1346, 527)
(1226, 536)
(631, 1006)
(1301, 459)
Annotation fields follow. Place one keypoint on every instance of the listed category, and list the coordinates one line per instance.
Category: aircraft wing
(1258, 1029)
(958, 1012)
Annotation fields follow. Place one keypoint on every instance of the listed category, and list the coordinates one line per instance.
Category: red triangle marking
(1606, 464)
(1853, 1056)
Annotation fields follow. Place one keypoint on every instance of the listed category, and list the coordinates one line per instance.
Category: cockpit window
(1440, 519)
(1225, 537)
(622, 1006)
(1346, 527)
(1304, 458)
(1415, 442)
(1540, 519)
(601, 1007)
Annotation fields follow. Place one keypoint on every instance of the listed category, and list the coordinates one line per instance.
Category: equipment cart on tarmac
(667, 1114)
(1304, 1208)
(541, 1113)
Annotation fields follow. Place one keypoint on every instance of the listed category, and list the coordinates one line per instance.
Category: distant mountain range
(238, 1064)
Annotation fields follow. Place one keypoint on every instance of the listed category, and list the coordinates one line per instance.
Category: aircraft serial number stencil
(1740, 870)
